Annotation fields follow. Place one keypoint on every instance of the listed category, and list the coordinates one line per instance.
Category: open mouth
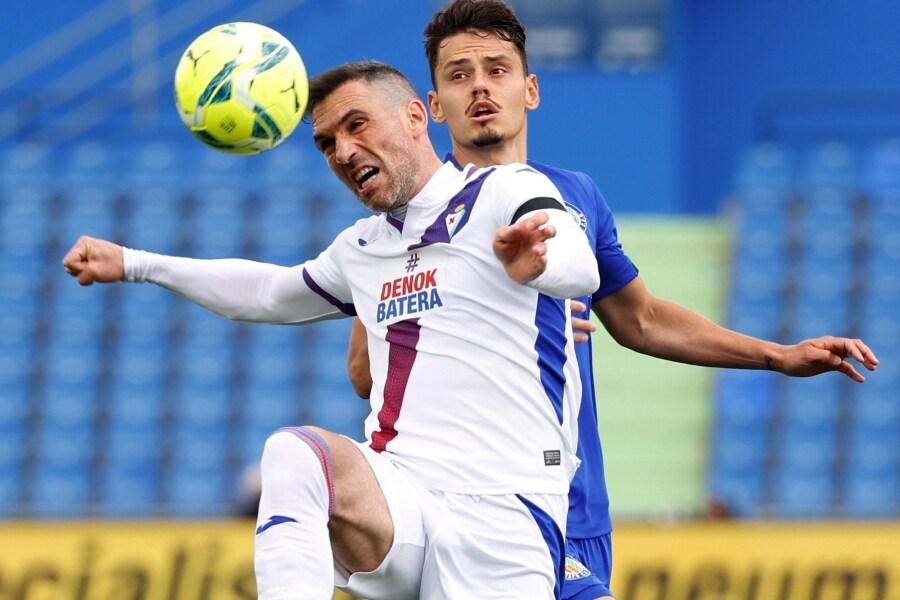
(365, 176)
(482, 110)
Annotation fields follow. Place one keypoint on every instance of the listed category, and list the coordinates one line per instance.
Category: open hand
(819, 355)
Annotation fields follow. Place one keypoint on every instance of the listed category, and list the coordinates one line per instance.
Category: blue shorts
(588, 568)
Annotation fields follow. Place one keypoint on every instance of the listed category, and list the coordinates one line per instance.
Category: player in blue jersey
(483, 91)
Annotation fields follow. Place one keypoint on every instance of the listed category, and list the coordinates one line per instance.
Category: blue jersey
(588, 498)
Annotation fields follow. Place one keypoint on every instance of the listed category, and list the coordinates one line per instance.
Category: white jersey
(476, 386)
(469, 394)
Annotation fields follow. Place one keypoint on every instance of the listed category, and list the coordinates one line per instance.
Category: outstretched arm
(241, 290)
(642, 322)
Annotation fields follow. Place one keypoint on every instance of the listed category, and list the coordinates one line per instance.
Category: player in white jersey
(460, 490)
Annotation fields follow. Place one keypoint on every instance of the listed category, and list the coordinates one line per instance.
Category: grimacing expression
(482, 91)
(367, 144)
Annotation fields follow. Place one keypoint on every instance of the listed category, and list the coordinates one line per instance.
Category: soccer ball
(241, 88)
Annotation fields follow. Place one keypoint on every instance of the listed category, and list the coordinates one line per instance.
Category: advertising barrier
(758, 561)
(174, 560)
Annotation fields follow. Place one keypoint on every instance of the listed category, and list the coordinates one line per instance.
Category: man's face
(481, 90)
(368, 144)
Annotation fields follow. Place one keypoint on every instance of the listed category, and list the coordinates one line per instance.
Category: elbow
(358, 371)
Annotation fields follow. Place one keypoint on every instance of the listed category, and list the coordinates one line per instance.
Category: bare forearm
(674, 332)
(642, 322)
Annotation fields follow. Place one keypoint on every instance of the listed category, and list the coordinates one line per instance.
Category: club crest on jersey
(577, 215)
(410, 294)
(453, 219)
(575, 569)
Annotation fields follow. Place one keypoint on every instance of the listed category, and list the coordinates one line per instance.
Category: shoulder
(564, 178)
(524, 177)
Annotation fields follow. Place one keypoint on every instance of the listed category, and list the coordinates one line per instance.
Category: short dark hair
(473, 16)
(371, 71)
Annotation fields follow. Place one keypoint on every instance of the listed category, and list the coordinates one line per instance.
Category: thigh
(503, 547)
(398, 575)
(588, 568)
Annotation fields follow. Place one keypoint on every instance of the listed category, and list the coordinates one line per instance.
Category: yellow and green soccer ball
(241, 88)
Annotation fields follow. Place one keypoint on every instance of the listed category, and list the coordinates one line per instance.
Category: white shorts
(462, 547)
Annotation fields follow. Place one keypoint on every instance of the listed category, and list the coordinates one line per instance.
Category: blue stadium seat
(219, 223)
(218, 169)
(742, 491)
(16, 368)
(338, 409)
(744, 399)
(156, 164)
(278, 227)
(10, 490)
(25, 219)
(828, 228)
(155, 221)
(881, 332)
(873, 449)
(813, 403)
(283, 168)
(13, 451)
(127, 490)
(760, 316)
(135, 436)
(61, 491)
(76, 306)
(27, 164)
(871, 496)
(90, 163)
(270, 407)
(138, 303)
(881, 167)
(832, 165)
(804, 493)
(88, 211)
(766, 166)
(198, 484)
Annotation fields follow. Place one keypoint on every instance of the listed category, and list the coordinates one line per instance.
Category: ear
(437, 113)
(417, 115)
(532, 92)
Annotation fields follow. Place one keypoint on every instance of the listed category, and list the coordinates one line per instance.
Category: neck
(488, 156)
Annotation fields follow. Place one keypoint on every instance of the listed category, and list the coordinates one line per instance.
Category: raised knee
(292, 443)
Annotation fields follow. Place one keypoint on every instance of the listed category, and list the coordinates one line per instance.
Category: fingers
(856, 349)
(848, 370)
(583, 325)
(578, 306)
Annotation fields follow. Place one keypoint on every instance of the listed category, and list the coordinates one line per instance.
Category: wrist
(773, 360)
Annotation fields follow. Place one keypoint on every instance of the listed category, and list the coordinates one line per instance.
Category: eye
(325, 145)
(498, 71)
(356, 124)
(457, 76)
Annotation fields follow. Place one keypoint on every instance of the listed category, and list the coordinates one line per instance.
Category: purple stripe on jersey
(320, 449)
(550, 319)
(439, 231)
(403, 337)
(347, 309)
(397, 223)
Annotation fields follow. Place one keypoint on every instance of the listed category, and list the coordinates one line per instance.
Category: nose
(344, 150)
(479, 85)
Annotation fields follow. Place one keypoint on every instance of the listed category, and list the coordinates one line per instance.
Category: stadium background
(746, 149)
